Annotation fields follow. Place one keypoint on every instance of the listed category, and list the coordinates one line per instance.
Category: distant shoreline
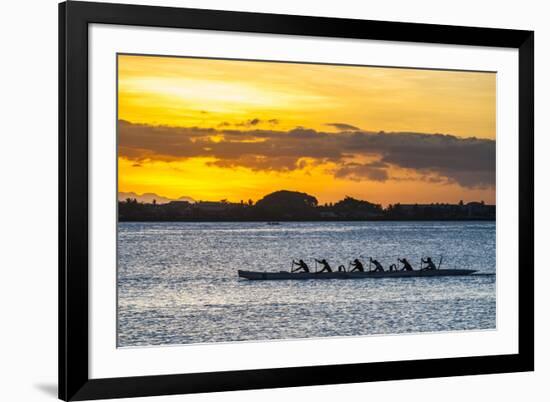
(292, 206)
(304, 220)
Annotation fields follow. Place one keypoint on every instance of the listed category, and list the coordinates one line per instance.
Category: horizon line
(245, 201)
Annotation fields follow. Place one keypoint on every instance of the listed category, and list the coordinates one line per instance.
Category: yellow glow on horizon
(197, 179)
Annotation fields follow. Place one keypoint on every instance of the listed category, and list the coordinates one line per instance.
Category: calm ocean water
(178, 284)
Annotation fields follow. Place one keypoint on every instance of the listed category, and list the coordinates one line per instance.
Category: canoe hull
(285, 275)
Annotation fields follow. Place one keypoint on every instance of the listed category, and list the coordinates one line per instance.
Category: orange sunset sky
(238, 130)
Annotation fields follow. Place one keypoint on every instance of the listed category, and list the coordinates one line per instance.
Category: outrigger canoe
(255, 275)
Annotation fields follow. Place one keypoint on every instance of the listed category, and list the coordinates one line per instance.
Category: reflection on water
(178, 282)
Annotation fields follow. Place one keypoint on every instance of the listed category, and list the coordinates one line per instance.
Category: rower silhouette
(301, 266)
(325, 264)
(430, 264)
(377, 266)
(357, 266)
(406, 265)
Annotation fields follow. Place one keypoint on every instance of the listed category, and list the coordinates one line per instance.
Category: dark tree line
(295, 206)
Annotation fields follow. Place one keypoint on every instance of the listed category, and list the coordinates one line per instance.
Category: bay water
(178, 283)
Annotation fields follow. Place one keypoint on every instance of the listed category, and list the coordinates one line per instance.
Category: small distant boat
(273, 223)
(284, 275)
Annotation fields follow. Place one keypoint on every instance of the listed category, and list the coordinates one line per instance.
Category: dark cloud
(276, 163)
(375, 171)
(249, 123)
(343, 126)
(469, 162)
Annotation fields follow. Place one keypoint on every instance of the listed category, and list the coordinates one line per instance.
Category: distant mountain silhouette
(148, 198)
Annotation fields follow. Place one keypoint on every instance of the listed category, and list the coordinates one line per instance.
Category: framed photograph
(259, 201)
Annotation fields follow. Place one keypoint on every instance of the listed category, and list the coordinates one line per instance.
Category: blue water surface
(178, 284)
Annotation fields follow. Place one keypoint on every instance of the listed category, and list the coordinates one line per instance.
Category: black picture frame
(74, 380)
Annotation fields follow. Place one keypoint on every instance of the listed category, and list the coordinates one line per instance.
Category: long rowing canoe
(255, 275)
